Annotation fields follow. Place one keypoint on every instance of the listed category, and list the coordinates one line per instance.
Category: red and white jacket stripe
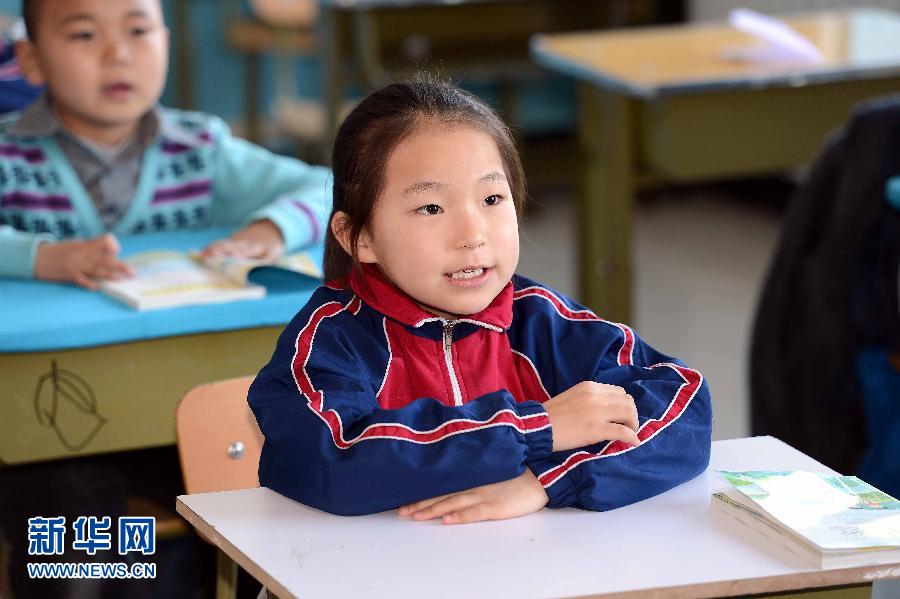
(370, 402)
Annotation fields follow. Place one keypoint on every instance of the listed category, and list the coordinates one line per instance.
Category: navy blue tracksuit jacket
(370, 402)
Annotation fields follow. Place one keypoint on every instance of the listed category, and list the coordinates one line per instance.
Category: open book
(168, 278)
(832, 521)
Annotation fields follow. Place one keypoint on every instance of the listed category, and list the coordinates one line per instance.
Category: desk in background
(83, 374)
(662, 104)
(381, 40)
(672, 545)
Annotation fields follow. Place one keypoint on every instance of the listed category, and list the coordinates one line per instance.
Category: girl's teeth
(468, 274)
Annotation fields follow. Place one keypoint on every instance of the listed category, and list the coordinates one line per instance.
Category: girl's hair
(375, 127)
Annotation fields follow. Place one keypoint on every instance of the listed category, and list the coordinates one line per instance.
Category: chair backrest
(287, 13)
(219, 441)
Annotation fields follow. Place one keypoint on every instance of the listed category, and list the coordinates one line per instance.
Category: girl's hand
(81, 262)
(508, 499)
(260, 240)
(592, 412)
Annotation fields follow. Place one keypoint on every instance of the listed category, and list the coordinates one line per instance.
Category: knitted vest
(41, 193)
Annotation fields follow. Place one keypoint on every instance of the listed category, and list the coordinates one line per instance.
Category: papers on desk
(833, 521)
(782, 43)
(168, 278)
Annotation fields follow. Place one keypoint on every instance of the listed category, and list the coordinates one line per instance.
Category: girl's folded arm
(675, 424)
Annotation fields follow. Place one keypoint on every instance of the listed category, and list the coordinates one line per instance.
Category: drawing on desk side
(65, 401)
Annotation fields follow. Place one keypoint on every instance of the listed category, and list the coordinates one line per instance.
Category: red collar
(375, 290)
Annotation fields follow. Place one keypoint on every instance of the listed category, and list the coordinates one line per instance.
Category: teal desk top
(41, 316)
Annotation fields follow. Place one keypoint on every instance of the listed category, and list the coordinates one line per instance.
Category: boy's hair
(30, 10)
(30, 15)
(375, 127)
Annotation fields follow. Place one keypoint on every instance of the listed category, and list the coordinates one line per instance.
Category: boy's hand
(260, 240)
(81, 262)
(592, 412)
(508, 499)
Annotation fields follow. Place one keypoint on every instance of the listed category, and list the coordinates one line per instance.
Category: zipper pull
(448, 334)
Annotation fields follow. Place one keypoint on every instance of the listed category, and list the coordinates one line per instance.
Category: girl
(428, 376)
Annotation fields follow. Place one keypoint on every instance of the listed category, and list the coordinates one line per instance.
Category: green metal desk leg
(226, 576)
(332, 44)
(251, 98)
(367, 47)
(606, 202)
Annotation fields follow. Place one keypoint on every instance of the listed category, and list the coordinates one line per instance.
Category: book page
(169, 278)
(238, 269)
(833, 512)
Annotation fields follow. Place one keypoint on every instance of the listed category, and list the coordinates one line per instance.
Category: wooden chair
(285, 29)
(219, 444)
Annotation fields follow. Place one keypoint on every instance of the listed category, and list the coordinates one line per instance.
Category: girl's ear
(341, 229)
(26, 56)
(365, 248)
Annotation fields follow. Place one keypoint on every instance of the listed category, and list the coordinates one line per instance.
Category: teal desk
(82, 374)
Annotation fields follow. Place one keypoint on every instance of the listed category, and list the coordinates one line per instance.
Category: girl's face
(444, 229)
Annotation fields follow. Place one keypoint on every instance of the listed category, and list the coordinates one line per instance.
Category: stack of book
(832, 521)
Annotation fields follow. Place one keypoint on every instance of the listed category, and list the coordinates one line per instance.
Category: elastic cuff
(559, 487)
(296, 221)
(18, 253)
(538, 432)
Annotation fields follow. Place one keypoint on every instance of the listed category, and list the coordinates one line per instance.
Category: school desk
(672, 545)
(82, 374)
(373, 42)
(664, 104)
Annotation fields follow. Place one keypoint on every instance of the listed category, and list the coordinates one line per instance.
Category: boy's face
(444, 229)
(104, 61)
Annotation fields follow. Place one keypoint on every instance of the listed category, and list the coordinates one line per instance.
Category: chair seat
(168, 523)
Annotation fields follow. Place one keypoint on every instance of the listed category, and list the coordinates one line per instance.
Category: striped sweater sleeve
(251, 183)
(18, 250)
(329, 444)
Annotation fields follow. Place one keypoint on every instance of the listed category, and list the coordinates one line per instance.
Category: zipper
(448, 358)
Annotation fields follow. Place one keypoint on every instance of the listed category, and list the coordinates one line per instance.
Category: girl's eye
(139, 31)
(493, 200)
(430, 209)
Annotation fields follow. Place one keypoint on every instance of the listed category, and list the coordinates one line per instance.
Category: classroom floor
(700, 256)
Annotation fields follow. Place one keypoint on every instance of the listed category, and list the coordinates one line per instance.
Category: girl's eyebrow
(422, 186)
(493, 176)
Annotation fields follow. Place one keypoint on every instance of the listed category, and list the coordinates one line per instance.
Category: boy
(95, 156)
